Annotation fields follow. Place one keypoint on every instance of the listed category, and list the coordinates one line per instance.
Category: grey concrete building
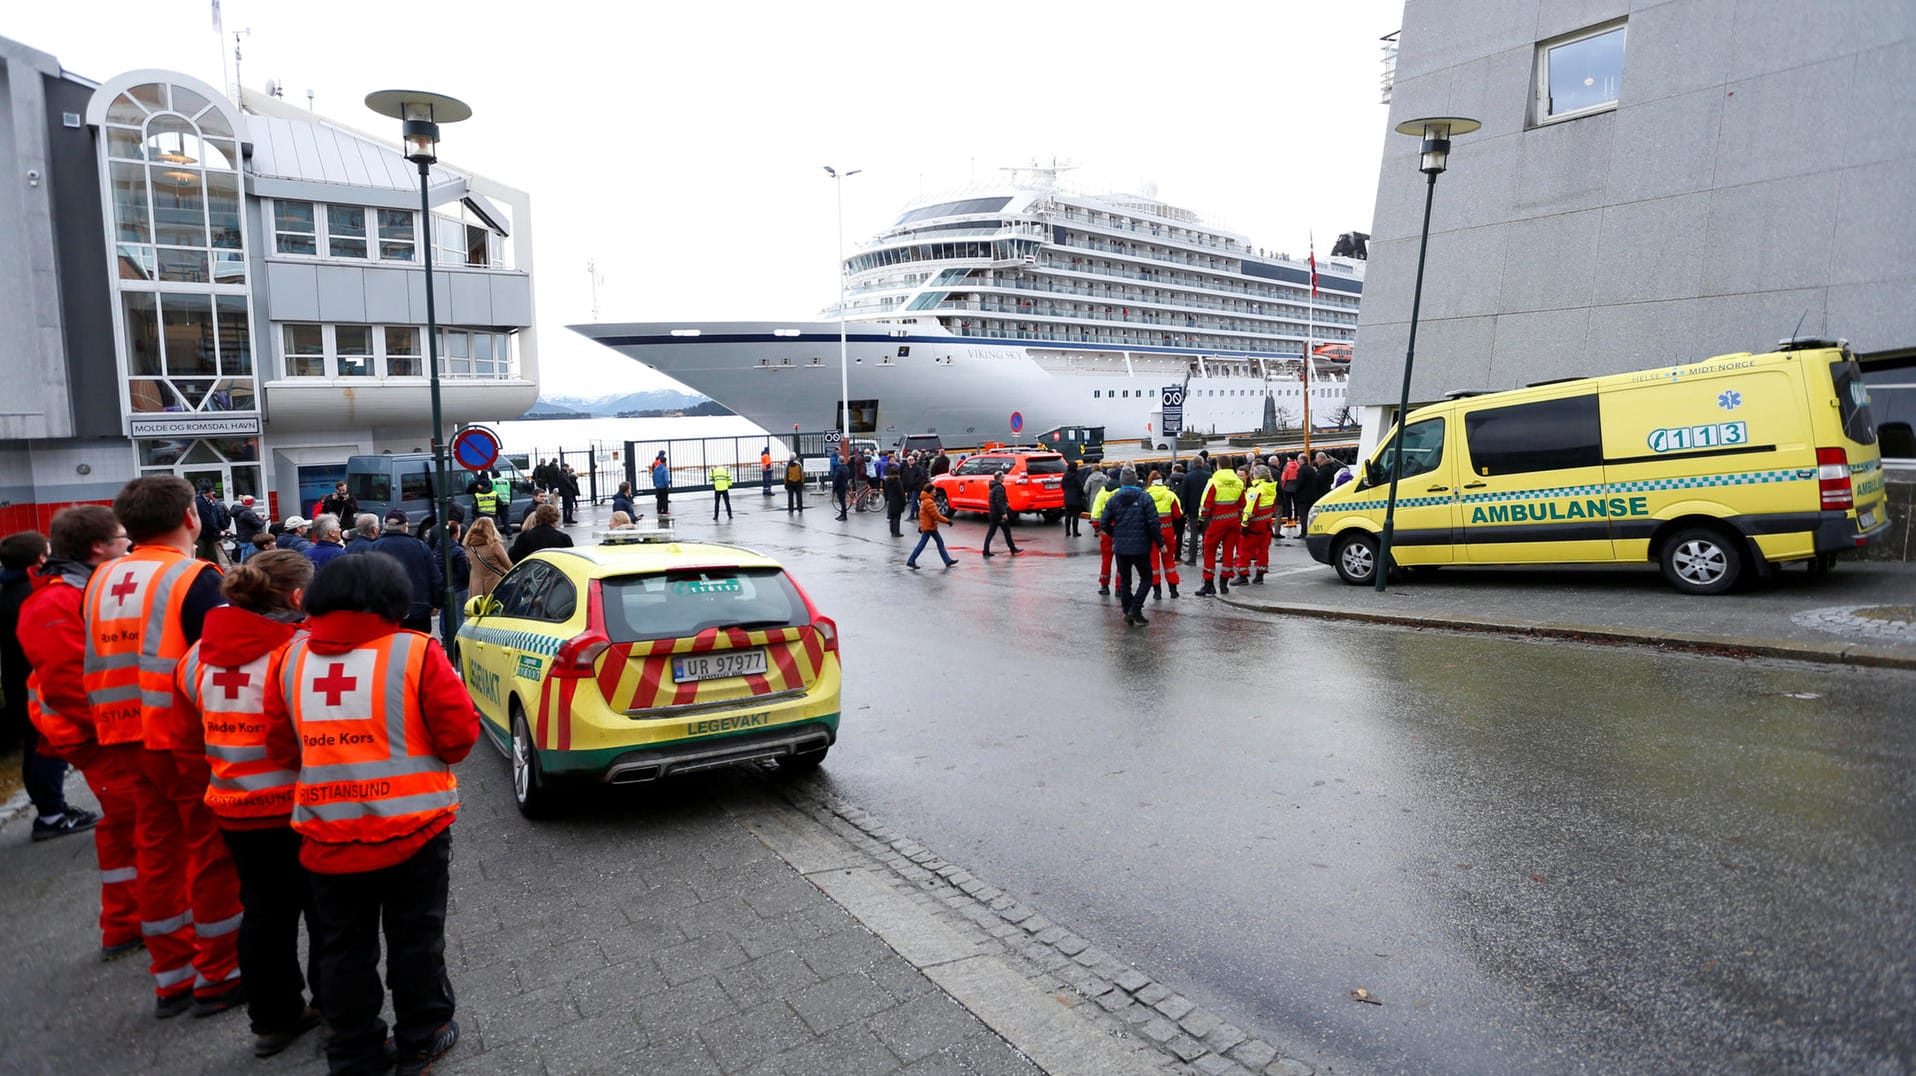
(1656, 181)
(231, 291)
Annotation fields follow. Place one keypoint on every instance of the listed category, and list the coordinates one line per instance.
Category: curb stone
(1126, 1002)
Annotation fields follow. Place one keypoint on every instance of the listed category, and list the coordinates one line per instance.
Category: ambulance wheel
(1702, 560)
(1356, 559)
(530, 791)
(943, 502)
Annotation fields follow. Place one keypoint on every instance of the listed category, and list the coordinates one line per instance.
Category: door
(1533, 483)
(1424, 531)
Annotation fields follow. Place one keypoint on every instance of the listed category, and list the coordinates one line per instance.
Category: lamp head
(1436, 132)
(830, 171)
(420, 114)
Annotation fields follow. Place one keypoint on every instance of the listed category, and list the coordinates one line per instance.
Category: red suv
(1034, 482)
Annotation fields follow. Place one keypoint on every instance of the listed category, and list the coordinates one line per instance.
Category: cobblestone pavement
(728, 923)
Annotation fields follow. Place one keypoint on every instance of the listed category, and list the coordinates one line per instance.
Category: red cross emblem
(335, 683)
(232, 680)
(121, 589)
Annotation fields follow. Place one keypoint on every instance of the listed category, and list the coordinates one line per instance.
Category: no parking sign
(476, 448)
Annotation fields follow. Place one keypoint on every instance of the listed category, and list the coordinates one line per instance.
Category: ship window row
(1150, 309)
(369, 233)
(338, 351)
(1326, 295)
(1091, 333)
(1120, 223)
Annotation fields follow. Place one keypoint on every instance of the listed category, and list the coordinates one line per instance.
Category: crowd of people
(269, 742)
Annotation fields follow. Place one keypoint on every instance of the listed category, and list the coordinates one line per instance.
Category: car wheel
(943, 502)
(1356, 559)
(802, 761)
(1701, 560)
(1052, 515)
(1823, 564)
(530, 791)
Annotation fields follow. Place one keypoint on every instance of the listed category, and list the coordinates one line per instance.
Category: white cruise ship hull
(968, 390)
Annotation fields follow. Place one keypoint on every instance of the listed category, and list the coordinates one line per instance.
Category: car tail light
(1022, 480)
(578, 655)
(827, 630)
(1832, 479)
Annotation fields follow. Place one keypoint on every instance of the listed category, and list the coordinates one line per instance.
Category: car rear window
(1044, 464)
(1852, 401)
(369, 487)
(674, 604)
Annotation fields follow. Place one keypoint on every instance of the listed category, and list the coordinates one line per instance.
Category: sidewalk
(1863, 613)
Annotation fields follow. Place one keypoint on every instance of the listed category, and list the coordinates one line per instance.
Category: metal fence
(690, 460)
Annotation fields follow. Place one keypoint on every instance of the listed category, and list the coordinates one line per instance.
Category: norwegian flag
(1313, 265)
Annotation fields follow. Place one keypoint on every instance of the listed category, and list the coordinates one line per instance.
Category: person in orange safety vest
(141, 615)
(372, 716)
(52, 633)
(1223, 498)
(223, 678)
(1259, 516)
(1164, 559)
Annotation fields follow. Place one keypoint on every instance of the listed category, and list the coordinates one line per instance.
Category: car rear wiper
(748, 625)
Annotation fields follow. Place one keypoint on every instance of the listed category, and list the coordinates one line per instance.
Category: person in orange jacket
(1223, 501)
(141, 616)
(52, 632)
(223, 679)
(929, 517)
(372, 716)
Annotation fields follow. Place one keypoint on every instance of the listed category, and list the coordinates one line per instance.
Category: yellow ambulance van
(1713, 470)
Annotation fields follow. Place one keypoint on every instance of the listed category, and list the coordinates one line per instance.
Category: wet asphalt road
(1539, 856)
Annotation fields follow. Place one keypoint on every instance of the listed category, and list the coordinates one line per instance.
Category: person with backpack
(795, 485)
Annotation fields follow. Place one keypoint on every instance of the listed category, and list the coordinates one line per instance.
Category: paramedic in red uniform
(141, 615)
(1260, 515)
(372, 717)
(223, 679)
(1223, 498)
(53, 635)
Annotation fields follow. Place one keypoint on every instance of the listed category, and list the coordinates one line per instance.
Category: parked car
(1034, 482)
(404, 480)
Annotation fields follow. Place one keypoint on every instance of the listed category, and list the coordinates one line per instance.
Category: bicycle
(869, 498)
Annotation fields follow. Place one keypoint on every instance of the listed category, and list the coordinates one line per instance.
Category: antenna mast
(592, 270)
(237, 34)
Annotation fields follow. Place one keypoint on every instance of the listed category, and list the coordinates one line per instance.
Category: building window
(395, 235)
(354, 349)
(402, 352)
(346, 231)
(305, 351)
(1579, 74)
(391, 351)
(295, 229)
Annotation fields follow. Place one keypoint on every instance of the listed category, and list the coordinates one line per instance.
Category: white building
(232, 292)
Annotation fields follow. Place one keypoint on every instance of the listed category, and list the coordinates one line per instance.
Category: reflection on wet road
(1540, 856)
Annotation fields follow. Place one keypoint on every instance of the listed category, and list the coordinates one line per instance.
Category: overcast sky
(679, 145)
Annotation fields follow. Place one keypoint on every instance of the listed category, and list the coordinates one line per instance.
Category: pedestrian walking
(998, 513)
(721, 478)
(929, 517)
(1221, 526)
(541, 532)
(214, 519)
(894, 486)
(427, 586)
(378, 847)
(42, 772)
(486, 557)
(1164, 556)
(841, 483)
(662, 483)
(1191, 496)
(795, 485)
(1131, 518)
(222, 680)
(568, 486)
(326, 544)
(1105, 549)
(765, 470)
(141, 616)
(1073, 499)
(52, 637)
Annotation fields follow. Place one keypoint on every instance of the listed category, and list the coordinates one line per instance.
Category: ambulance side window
(1547, 435)
(1423, 451)
(530, 582)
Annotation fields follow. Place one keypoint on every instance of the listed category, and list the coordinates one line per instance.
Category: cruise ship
(1000, 312)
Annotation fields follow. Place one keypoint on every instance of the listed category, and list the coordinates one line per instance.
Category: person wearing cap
(246, 522)
(422, 568)
(293, 535)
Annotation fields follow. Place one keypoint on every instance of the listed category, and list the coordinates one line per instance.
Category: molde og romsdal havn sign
(193, 426)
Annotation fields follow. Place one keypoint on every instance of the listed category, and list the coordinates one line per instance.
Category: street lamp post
(420, 115)
(1432, 160)
(844, 361)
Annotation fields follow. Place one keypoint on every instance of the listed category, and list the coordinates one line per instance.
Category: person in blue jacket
(662, 482)
(422, 568)
(1131, 519)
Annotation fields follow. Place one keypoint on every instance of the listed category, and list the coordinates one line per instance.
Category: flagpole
(1310, 323)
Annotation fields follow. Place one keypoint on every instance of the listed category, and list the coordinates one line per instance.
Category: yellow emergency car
(1711, 470)
(641, 657)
